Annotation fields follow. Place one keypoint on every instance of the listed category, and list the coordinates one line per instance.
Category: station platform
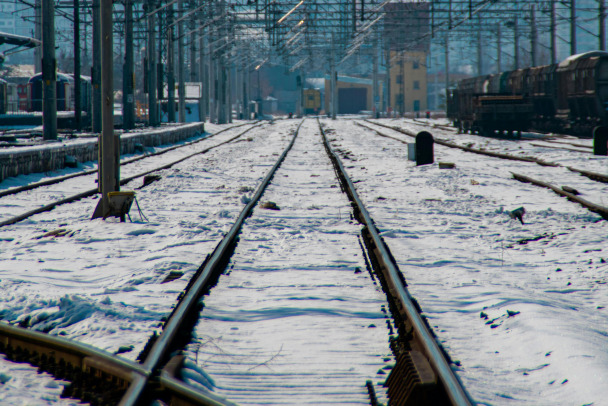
(43, 156)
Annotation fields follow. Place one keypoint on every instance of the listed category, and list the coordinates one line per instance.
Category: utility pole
(602, 22)
(128, 85)
(553, 33)
(533, 35)
(77, 83)
(152, 70)
(109, 144)
(95, 69)
(49, 72)
(170, 67)
(180, 63)
(572, 27)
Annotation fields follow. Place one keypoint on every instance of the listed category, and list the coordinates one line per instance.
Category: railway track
(59, 179)
(598, 177)
(451, 230)
(69, 198)
(561, 145)
(421, 372)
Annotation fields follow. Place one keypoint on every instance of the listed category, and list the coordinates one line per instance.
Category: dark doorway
(352, 101)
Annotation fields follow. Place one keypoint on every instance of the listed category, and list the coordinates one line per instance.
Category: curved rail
(422, 336)
(69, 360)
(124, 181)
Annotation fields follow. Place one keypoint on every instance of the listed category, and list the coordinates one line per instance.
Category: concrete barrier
(50, 157)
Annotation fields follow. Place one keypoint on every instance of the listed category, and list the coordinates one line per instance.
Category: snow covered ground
(297, 319)
(520, 308)
(525, 321)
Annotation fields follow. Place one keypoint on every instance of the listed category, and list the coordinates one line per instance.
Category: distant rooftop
(17, 71)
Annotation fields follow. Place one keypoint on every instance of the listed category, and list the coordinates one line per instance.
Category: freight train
(568, 97)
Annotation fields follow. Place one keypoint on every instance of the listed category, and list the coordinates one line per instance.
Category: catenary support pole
(77, 82)
(181, 64)
(109, 143)
(553, 33)
(447, 63)
(151, 68)
(170, 66)
(128, 85)
(498, 48)
(375, 93)
(602, 24)
(515, 44)
(38, 35)
(49, 72)
(96, 69)
(203, 102)
(479, 47)
(572, 27)
(533, 36)
(212, 83)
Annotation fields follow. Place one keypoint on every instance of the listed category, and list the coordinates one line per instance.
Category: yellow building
(408, 82)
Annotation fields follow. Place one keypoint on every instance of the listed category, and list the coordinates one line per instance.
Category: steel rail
(123, 181)
(181, 393)
(173, 327)
(452, 145)
(452, 385)
(47, 352)
(53, 181)
(562, 148)
(598, 177)
(595, 208)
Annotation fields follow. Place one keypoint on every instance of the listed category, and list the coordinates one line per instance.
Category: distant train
(21, 96)
(312, 101)
(66, 94)
(568, 97)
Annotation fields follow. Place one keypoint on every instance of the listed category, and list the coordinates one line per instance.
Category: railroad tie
(412, 380)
